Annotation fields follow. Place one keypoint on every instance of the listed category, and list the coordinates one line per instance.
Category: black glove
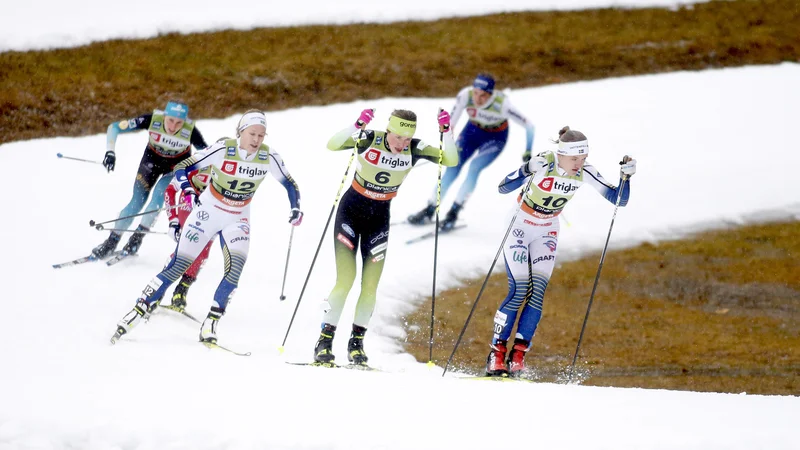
(175, 227)
(110, 160)
(526, 156)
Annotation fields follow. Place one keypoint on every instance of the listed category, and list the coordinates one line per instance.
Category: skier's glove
(296, 217)
(365, 118)
(175, 228)
(526, 156)
(628, 167)
(444, 121)
(190, 197)
(110, 160)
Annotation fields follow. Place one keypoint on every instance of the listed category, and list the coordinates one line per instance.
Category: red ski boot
(516, 357)
(496, 362)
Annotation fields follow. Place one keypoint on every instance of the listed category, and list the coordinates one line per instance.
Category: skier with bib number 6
(362, 219)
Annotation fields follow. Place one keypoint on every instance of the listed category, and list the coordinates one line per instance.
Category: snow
(45, 24)
(705, 145)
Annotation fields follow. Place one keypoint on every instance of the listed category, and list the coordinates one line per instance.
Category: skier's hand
(628, 167)
(110, 160)
(526, 156)
(190, 197)
(296, 217)
(365, 118)
(175, 228)
(444, 121)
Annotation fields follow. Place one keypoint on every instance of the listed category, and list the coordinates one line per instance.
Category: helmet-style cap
(177, 110)
(484, 82)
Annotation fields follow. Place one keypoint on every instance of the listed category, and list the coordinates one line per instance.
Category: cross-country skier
(484, 136)
(531, 248)
(170, 136)
(237, 168)
(362, 219)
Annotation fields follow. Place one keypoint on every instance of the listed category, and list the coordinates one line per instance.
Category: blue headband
(177, 110)
(484, 82)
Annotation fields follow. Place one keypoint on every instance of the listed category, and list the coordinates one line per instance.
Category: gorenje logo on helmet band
(403, 127)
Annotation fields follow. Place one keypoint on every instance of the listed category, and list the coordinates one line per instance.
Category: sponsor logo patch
(185, 134)
(348, 230)
(343, 239)
(373, 156)
(518, 233)
(551, 245)
(379, 257)
(546, 184)
(229, 167)
(520, 257)
(379, 248)
(202, 215)
(543, 258)
(231, 151)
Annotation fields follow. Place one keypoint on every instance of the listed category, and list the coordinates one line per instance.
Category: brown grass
(717, 312)
(80, 91)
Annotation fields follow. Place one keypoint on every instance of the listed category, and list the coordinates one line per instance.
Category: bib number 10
(556, 204)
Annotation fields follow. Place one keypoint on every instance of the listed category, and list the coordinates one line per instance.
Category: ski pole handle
(78, 159)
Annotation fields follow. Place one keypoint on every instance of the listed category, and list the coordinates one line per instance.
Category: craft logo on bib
(546, 184)
(229, 167)
(373, 156)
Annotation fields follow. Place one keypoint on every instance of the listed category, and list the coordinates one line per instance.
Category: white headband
(573, 148)
(250, 119)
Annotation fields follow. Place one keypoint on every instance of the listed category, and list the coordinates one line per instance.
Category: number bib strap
(380, 196)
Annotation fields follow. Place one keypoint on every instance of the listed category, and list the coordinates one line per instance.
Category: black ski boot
(451, 217)
(355, 346)
(323, 353)
(423, 216)
(179, 294)
(135, 241)
(108, 246)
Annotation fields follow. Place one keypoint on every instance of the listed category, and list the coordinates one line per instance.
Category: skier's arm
(343, 140)
(170, 200)
(609, 192)
(458, 108)
(125, 126)
(420, 150)
(278, 170)
(517, 117)
(198, 161)
(517, 178)
(197, 139)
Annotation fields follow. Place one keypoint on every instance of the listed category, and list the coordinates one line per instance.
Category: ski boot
(355, 346)
(323, 355)
(451, 217)
(179, 294)
(208, 331)
(108, 246)
(423, 216)
(141, 311)
(496, 362)
(516, 357)
(135, 241)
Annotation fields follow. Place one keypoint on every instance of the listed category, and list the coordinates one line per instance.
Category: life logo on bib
(373, 156)
(229, 167)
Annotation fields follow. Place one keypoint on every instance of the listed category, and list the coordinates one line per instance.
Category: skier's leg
(235, 241)
(487, 153)
(345, 241)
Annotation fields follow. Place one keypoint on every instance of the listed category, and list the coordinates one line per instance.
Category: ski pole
(486, 280)
(435, 249)
(99, 225)
(322, 238)
(286, 267)
(125, 230)
(78, 159)
(596, 280)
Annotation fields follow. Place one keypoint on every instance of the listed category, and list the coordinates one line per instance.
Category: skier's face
(251, 138)
(396, 142)
(572, 164)
(480, 97)
(172, 124)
